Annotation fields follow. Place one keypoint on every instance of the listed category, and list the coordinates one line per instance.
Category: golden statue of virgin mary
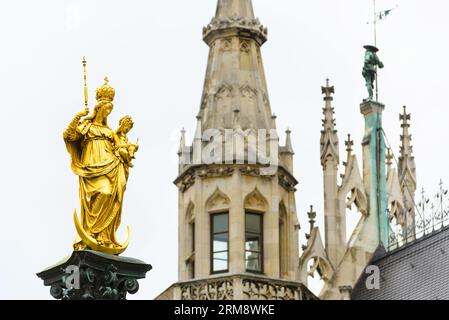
(101, 158)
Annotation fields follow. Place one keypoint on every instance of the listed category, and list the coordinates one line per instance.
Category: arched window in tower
(254, 242)
(190, 243)
(283, 241)
(255, 208)
(220, 242)
(218, 208)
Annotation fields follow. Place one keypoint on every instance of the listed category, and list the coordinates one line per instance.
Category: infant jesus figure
(125, 149)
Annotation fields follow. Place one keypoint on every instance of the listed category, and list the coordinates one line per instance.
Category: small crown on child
(126, 119)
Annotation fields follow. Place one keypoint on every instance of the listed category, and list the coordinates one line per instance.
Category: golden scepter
(85, 85)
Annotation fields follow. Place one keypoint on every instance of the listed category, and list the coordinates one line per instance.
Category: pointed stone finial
(198, 131)
(406, 159)
(328, 91)
(312, 215)
(329, 138)
(349, 144)
(198, 141)
(288, 142)
(402, 183)
(406, 138)
(182, 142)
(389, 158)
(404, 117)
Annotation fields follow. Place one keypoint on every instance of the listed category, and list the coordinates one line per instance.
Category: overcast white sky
(153, 53)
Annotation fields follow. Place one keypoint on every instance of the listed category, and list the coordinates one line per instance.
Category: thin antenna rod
(375, 44)
(375, 23)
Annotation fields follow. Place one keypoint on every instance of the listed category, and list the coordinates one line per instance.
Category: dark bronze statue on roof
(370, 69)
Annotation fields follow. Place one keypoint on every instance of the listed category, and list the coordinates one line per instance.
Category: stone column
(374, 170)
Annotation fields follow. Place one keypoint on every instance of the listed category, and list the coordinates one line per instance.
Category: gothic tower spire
(329, 138)
(237, 215)
(406, 159)
(407, 172)
(235, 81)
(335, 223)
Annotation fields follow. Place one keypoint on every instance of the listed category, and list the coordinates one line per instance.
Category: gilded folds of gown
(102, 179)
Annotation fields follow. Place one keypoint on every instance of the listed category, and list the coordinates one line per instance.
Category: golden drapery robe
(102, 180)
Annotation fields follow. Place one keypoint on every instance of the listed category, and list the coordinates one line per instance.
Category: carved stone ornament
(245, 46)
(187, 181)
(256, 201)
(243, 287)
(218, 200)
(215, 172)
(224, 91)
(250, 171)
(248, 92)
(256, 290)
(250, 25)
(209, 290)
(270, 290)
(286, 183)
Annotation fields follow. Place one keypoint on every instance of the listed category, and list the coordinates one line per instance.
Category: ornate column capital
(91, 275)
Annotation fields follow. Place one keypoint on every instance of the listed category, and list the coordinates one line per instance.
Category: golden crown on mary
(105, 92)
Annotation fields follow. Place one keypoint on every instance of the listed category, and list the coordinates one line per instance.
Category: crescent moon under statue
(94, 245)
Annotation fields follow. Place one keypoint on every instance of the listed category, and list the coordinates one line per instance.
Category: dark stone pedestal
(92, 275)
